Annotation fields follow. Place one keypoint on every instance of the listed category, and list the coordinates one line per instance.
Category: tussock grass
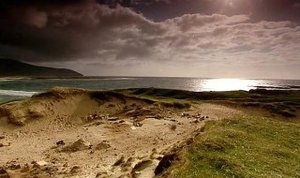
(242, 147)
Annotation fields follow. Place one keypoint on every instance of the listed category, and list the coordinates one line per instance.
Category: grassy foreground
(242, 147)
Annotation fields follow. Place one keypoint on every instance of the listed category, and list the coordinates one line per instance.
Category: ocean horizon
(20, 88)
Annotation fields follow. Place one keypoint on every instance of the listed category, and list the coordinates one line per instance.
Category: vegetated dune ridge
(74, 132)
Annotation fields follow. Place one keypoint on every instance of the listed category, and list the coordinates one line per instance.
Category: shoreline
(28, 94)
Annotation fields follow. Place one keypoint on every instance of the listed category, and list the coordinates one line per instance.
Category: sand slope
(77, 133)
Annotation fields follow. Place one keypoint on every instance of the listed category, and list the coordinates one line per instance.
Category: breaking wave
(16, 93)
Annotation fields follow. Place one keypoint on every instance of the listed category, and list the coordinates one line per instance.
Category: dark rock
(119, 161)
(60, 143)
(79, 145)
(14, 166)
(3, 173)
(165, 163)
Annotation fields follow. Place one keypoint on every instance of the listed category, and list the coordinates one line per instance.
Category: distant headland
(15, 68)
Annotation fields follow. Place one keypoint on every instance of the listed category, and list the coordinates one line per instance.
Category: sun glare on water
(228, 84)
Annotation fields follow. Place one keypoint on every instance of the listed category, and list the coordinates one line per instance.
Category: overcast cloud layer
(97, 40)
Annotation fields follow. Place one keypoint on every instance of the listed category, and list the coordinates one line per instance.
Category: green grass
(164, 101)
(239, 96)
(242, 147)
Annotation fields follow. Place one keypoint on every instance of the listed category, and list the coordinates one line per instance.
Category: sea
(12, 89)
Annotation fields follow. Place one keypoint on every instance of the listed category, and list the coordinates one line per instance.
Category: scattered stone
(39, 164)
(103, 145)
(2, 137)
(93, 117)
(42, 163)
(13, 166)
(133, 128)
(60, 143)
(197, 118)
(137, 124)
(79, 145)
(185, 114)
(1, 145)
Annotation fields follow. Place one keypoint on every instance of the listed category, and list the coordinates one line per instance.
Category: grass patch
(260, 95)
(242, 147)
(169, 102)
(176, 104)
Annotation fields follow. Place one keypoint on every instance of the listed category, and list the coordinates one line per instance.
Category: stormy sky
(176, 38)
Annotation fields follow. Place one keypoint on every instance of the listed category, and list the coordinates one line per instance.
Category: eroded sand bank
(77, 133)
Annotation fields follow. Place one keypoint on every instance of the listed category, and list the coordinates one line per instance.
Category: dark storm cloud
(87, 34)
(66, 32)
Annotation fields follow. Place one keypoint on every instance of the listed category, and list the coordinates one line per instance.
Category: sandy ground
(71, 134)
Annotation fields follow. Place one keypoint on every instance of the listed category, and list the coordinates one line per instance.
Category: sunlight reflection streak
(227, 84)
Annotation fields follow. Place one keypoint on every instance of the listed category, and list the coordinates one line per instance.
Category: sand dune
(74, 132)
